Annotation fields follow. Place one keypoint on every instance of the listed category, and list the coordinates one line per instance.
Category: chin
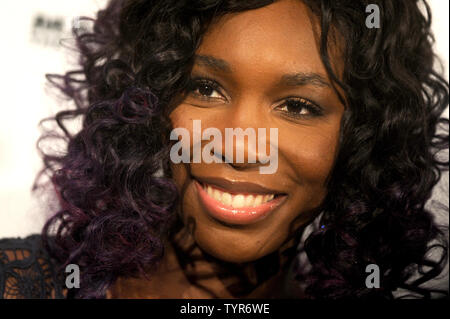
(236, 256)
(238, 250)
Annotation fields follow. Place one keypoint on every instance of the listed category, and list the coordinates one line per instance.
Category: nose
(245, 149)
(234, 164)
(245, 136)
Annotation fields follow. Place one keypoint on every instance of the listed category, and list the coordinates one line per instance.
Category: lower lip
(236, 216)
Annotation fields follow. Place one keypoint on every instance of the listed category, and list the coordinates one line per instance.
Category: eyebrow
(212, 62)
(292, 79)
(303, 78)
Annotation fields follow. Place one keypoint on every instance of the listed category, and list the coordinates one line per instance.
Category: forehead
(278, 36)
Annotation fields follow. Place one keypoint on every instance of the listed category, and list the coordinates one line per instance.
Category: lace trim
(27, 271)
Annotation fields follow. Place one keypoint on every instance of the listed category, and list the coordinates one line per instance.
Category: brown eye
(299, 108)
(205, 89)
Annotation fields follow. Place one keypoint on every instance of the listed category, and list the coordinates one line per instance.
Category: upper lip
(235, 186)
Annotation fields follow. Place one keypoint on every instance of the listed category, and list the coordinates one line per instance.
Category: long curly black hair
(116, 206)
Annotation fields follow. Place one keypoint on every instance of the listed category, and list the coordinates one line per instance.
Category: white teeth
(258, 200)
(239, 200)
(227, 199)
(217, 195)
(249, 199)
(209, 190)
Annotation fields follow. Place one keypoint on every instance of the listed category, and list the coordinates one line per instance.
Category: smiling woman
(260, 86)
(350, 190)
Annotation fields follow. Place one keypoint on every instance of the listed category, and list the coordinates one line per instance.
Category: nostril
(220, 156)
(239, 165)
(223, 159)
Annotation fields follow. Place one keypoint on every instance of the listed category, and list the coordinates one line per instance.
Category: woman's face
(258, 69)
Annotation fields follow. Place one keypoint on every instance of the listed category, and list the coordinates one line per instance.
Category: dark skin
(270, 75)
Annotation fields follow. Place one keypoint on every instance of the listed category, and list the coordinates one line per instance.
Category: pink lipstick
(238, 208)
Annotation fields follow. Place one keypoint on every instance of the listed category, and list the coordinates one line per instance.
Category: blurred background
(30, 32)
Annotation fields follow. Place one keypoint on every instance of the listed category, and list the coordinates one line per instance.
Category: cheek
(179, 119)
(310, 153)
(182, 116)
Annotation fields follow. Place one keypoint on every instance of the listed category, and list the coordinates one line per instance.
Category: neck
(257, 279)
(188, 272)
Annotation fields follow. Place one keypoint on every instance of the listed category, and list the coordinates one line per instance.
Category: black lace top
(27, 271)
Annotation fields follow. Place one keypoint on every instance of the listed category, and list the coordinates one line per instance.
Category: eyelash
(313, 109)
(196, 83)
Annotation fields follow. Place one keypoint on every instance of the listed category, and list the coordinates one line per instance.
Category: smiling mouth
(237, 207)
(237, 200)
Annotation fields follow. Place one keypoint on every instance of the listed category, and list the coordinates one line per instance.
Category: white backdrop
(29, 35)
